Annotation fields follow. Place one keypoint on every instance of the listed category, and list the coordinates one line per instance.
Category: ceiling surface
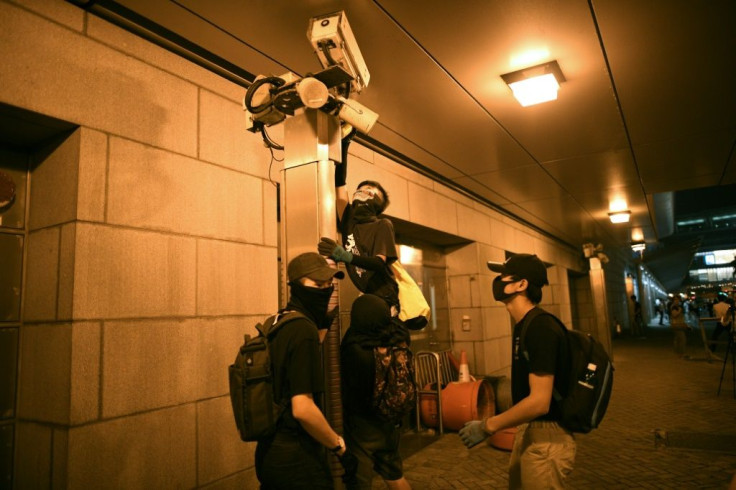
(648, 105)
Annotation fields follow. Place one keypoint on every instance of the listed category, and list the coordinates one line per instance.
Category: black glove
(329, 248)
(350, 464)
(341, 170)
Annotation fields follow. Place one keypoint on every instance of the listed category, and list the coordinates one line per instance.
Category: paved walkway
(665, 428)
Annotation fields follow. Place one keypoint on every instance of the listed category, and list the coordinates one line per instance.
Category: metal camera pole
(312, 145)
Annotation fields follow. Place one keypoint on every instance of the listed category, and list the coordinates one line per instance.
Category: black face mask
(314, 300)
(498, 290)
(366, 210)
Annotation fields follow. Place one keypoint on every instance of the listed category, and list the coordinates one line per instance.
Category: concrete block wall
(152, 248)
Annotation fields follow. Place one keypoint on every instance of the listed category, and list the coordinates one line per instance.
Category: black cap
(313, 266)
(523, 266)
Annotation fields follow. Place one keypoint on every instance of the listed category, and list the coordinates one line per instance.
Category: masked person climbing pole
(368, 243)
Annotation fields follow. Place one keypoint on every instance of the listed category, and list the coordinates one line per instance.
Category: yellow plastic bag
(411, 299)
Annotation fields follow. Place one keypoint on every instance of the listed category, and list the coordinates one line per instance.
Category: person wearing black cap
(544, 452)
(374, 441)
(293, 457)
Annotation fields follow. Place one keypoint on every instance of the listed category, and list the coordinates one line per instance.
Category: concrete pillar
(600, 304)
(311, 146)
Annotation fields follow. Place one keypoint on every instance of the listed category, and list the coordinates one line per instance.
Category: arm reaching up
(341, 170)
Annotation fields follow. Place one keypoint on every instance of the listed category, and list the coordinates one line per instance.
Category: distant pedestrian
(659, 309)
(637, 327)
(723, 310)
(678, 325)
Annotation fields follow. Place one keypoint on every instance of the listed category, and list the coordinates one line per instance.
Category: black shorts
(376, 445)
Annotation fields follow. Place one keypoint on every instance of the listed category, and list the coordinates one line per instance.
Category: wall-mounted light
(638, 246)
(620, 216)
(410, 255)
(535, 84)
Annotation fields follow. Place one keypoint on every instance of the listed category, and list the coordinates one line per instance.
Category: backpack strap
(273, 323)
(269, 329)
(531, 315)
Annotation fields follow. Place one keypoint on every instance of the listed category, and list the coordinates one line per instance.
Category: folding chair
(429, 367)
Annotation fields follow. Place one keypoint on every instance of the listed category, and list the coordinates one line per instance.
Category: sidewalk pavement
(665, 428)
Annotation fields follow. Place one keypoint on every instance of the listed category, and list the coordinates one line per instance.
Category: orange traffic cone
(464, 370)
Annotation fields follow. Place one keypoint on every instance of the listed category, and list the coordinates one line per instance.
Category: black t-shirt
(358, 366)
(371, 239)
(297, 363)
(548, 354)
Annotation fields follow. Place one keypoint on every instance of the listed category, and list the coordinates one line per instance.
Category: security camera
(334, 43)
(357, 115)
(271, 99)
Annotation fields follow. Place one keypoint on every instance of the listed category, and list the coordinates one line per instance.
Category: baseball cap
(313, 266)
(523, 266)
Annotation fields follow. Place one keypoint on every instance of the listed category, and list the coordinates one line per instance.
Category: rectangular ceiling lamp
(620, 216)
(535, 84)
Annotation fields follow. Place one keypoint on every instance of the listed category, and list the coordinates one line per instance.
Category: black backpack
(256, 408)
(394, 388)
(590, 378)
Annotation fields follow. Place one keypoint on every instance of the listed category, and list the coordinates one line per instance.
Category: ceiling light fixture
(535, 84)
(620, 216)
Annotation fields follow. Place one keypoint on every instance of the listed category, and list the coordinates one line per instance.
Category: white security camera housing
(357, 115)
(334, 43)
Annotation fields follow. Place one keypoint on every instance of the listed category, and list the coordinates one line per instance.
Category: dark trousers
(290, 461)
(717, 333)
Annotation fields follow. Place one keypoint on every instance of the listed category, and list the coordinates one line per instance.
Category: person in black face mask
(374, 440)
(294, 456)
(368, 241)
(544, 452)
